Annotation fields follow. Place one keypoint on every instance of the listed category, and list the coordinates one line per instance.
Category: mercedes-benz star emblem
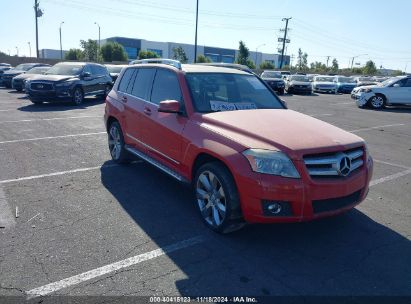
(344, 166)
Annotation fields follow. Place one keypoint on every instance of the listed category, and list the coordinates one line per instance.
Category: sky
(375, 29)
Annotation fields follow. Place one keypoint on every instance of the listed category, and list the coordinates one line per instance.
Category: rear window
(213, 92)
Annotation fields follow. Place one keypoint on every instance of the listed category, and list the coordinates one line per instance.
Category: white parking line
(85, 276)
(7, 110)
(341, 103)
(389, 177)
(390, 164)
(55, 118)
(6, 216)
(376, 127)
(51, 137)
(7, 181)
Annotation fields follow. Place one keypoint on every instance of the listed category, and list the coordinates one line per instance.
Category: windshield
(38, 70)
(24, 67)
(271, 75)
(213, 92)
(388, 82)
(325, 79)
(299, 78)
(346, 80)
(114, 68)
(65, 69)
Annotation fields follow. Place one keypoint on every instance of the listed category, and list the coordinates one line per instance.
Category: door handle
(124, 99)
(147, 111)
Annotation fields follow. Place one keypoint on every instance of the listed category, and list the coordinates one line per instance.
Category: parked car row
(281, 81)
(65, 81)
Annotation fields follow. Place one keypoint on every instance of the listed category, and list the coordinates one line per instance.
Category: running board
(157, 164)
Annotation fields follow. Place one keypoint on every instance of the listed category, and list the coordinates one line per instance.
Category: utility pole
(17, 50)
(285, 37)
(29, 48)
(195, 40)
(328, 58)
(61, 46)
(37, 13)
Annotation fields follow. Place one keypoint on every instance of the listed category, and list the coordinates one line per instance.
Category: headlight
(63, 85)
(271, 162)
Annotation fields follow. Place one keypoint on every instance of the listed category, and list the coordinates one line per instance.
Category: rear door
(88, 83)
(397, 94)
(133, 107)
(162, 131)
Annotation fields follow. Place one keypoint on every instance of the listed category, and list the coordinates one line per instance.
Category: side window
(102, 71)
(165, 87)
(125, 80)
(142, 83)
(407, 83)
(87, 69)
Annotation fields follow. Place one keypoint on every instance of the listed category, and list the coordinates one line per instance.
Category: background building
(51, 54)
(215, 54)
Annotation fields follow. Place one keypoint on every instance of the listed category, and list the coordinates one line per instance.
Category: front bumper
(297, 89)
(308, 198)
(55, 95)
(276, 86)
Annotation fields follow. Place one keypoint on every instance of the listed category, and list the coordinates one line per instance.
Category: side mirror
(397, 85)
(169, 106)
(85, 74)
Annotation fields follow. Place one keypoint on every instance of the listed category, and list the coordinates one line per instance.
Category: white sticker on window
(245, 106)
(257, 84)
(222, 106)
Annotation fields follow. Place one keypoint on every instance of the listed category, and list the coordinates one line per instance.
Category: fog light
(274, 208)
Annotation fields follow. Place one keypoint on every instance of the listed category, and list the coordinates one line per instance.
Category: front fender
(363, 98)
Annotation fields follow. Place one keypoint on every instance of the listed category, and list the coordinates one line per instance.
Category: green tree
(203, 59)
(243, 54)
(179, 54)
(266, 65)
(302, 63)
(113, 51)
(369, 68)
(334, 65)
(145, 54)
(74, 54)
(397, 73)
(90, 50)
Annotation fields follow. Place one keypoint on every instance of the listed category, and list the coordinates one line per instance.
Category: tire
(19, 90)
(377, 102)
(217, 198)
(116, 144)
(107, 89)
(281, 92)
(78, 96)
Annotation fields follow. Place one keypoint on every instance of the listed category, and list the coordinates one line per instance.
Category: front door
(162, 131)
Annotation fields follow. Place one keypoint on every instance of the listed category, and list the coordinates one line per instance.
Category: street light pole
(61, 46)
(17, 50)
(195, 39)
(29, 48)
(352, 62)
(284, 40)
(98, 38)
(256, 50)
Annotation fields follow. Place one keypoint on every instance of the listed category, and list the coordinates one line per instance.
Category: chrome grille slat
(330, 164)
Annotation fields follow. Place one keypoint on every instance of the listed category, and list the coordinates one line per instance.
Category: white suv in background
(395, 91)
(324, 84)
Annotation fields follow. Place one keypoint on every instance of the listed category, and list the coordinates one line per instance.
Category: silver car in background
(324, 84)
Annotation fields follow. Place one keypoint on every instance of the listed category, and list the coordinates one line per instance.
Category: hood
(324, 82)
(366, 87)
(347, 84)
(273, 79)
(304, 83)
(24, 76)
(291, 132)
(52, 77)
(14, 72)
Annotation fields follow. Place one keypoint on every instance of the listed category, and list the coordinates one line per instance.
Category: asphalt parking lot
(86, 226)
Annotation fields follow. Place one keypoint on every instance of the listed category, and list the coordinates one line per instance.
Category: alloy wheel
(377, 102)
(114, 142)
(211, 198)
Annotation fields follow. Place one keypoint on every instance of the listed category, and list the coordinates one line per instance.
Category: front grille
(339, 164)
(333, 204)
(41, 86)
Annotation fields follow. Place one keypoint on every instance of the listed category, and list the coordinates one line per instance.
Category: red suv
(224, 131)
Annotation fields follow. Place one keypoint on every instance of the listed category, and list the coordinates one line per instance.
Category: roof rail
(236, 66)
(174, 63)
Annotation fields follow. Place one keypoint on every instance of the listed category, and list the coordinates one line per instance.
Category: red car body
(183, 142)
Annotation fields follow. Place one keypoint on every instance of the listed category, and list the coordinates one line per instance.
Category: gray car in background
(18, 83)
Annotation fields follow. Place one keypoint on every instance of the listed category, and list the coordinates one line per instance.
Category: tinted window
(406, 83)
(142, 83)
(165, 87)
(98, 70)
(125, 80)
(102, 70)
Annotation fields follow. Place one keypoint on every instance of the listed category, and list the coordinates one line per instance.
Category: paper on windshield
(217, 106)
